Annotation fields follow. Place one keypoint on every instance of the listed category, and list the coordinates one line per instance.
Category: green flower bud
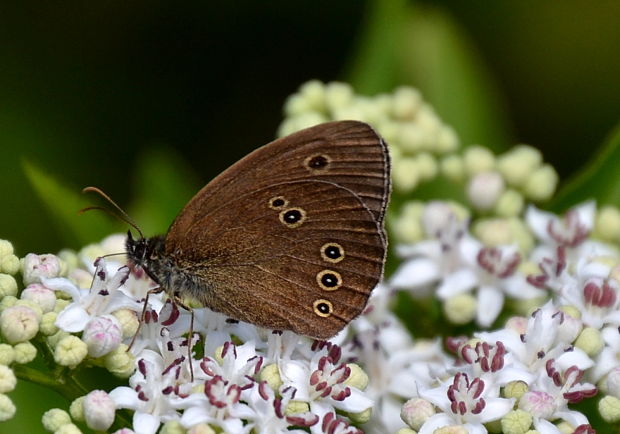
(510, 204)
(361, 417)
(515, 389)
(296, 407)
(128, 319)
(70, 351)
(271, 374)
(453, 168)
(48, 323)
(172, 427)
(24, 353)
(7, 408)
(8, 381)
(590, 341)
(6, 248)
(460, 309)
(8, 285)
(405, 174)
(416, 411)
(358, 378)
(607, 225)
(120, 362)
(516, 422)
(7, 354)
(55, 418)
(609, 408)
(518, 164)
(478, 159)
(68, 429)
(76, 409)
(541, 185)
(201, 428)
(9, 264)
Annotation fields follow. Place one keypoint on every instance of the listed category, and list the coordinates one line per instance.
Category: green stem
(65, 386)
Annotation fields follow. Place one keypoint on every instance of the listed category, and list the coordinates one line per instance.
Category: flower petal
(72, 318)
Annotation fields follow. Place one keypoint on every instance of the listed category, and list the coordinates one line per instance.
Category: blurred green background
(150, 100)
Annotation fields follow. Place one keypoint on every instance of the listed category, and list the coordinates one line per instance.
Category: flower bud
(8, 381)
(405, 174)
(358, 378)
(69, 428)
(541, 185)
(416, 411)
(484, 189)
(55, 418)
(460, 309)
(613, 382)
(609, 409)
(76, 409)
(41, 295)
(516, 422)
(7, 354)
(9, 264)
(607, 224)
(478, 159)
(37, 267)
(172, 427)
(447, 140)
(24, 353)
(515, 389)
(590, 341)
(102, 334)
(120, 362)
(99, 410)
(538, 404)
(8, 285)
(70, 351)
(427, 166)
(518, 164)
(296, 407)
(128, 319)
(7, 408)
(18, 324)
(361, 417)
(452, 167)
(406, 101)
(271, 374)
(509, 204)
(6, 248)
(48, 323)
(201, 428)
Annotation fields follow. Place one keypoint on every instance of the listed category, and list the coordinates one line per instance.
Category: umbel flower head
(538, 291)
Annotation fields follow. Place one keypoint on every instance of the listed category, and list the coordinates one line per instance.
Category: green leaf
(599, 179)
(438, 57)
(64, 204)
(164, 184)
(424, 47)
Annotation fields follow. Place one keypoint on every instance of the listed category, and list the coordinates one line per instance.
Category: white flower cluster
(528, 373)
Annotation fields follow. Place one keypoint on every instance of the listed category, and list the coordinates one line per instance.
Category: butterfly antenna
(122, 215)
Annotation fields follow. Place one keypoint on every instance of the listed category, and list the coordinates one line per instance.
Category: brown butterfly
(289, 238)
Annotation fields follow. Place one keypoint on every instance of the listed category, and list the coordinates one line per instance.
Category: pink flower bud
(37, 267)
(99, 410)
(102, 335)
(41, 295)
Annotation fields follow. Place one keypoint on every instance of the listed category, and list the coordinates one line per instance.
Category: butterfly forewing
(291, 237)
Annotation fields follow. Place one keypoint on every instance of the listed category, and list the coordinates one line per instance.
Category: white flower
(321, 383)
(464, 401)
(220, 405)
(102, 298)
(239, 364)
(154, 394)
(270, 412)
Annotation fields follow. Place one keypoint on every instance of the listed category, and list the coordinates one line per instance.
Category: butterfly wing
(291, 237)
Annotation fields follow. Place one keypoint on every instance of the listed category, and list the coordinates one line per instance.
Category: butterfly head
(144, 252)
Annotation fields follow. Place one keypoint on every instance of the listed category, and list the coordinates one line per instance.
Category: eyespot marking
(277, 202)
(329, 280)
(293, 217)
(318, 162)
(332, 252)
(323, 307)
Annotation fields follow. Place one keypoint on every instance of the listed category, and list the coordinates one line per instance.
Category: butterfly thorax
(149, 254)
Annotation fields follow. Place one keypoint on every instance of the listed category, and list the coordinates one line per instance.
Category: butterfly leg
(155, 290)
(177, 300)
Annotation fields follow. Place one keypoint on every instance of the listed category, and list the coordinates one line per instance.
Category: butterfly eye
(332, 252)
(329, 280)
(317, 162)
(277, 202)
(323, 307)
(293, 217)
